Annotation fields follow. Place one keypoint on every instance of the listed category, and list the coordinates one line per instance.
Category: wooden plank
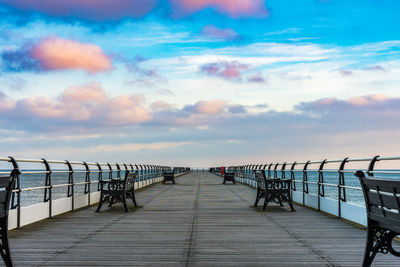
(196, 222)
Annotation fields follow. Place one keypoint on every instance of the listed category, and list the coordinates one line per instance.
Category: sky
(199, 82)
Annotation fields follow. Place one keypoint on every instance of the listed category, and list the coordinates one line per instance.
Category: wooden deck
(196, 222)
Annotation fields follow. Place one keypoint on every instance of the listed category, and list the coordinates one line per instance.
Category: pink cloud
(60, 54)
(6, 104)
(161, 105)
(232, 8)
(227, 70)
(367, 103)
(367, 100)
(257, 78)
(216, 33)
(211, 107)
(92, 92)
(93, 10)
(89, 103)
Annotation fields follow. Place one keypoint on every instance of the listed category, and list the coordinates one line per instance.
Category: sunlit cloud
(59, 54)
(256, 78)
(87, 104)
(213, 32)
(54, 54)
(5, 103)
(224, 69)
(232, 8)
(214, 106)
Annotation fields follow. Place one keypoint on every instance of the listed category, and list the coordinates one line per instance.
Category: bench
(276, 190)
(382, 202)
(169, 176)
(229, 176)
(7, 184)
(118, 190)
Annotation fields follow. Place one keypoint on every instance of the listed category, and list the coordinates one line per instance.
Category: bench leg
(101, 201)
(4, 248)
(257, 198)
(370, 249)
(291, 205)
(265, 203)
(133, 198)
(378, 241)
(124, 203)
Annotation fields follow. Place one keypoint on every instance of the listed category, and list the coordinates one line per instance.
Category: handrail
(302, 171)
(92, 172)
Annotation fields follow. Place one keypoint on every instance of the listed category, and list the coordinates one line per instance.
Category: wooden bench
(276, 190)
(229, 176)
(382, 201)
(118, 190)
(169, 176)
(6, 186)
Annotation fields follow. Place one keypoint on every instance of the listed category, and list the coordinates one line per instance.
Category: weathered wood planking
(196, 222)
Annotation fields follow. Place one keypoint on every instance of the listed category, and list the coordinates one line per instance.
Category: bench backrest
(130, 181)
(6, 186)
(260, 178)
(382, 200)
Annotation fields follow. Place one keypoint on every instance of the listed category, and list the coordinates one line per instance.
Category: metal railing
(327, 183)
(58, 174)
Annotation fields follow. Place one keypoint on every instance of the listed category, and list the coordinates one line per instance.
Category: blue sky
(199, 82)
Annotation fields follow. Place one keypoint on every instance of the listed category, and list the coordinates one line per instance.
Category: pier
(195, 222)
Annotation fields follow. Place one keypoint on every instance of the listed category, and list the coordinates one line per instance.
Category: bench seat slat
(384, 185)
(389, 201)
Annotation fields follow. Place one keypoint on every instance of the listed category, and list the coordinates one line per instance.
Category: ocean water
(37, 180)
(354, 196)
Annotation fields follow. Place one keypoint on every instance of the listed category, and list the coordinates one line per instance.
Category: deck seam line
(304, 243)
(194, 224)
(74, 244)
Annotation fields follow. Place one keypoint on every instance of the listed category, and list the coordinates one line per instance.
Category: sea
(354, 196)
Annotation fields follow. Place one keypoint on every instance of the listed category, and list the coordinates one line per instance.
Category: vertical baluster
(305, 181)
(321, 187)
(87, 181)
(341, 188)
(110, 171)
(48, 190)
(17, 186)
(292, 176)
(99, 177)
(70, 192)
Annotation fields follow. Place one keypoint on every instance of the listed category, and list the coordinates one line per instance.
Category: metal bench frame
(118, 190)
(169, 176)
(382, 202)
(276, 190)
(229, 176)
(7, 184)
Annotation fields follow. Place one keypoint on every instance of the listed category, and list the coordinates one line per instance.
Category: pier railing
(325, 185)
(46, 188)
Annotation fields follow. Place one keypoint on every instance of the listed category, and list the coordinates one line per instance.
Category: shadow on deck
(197, 222)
